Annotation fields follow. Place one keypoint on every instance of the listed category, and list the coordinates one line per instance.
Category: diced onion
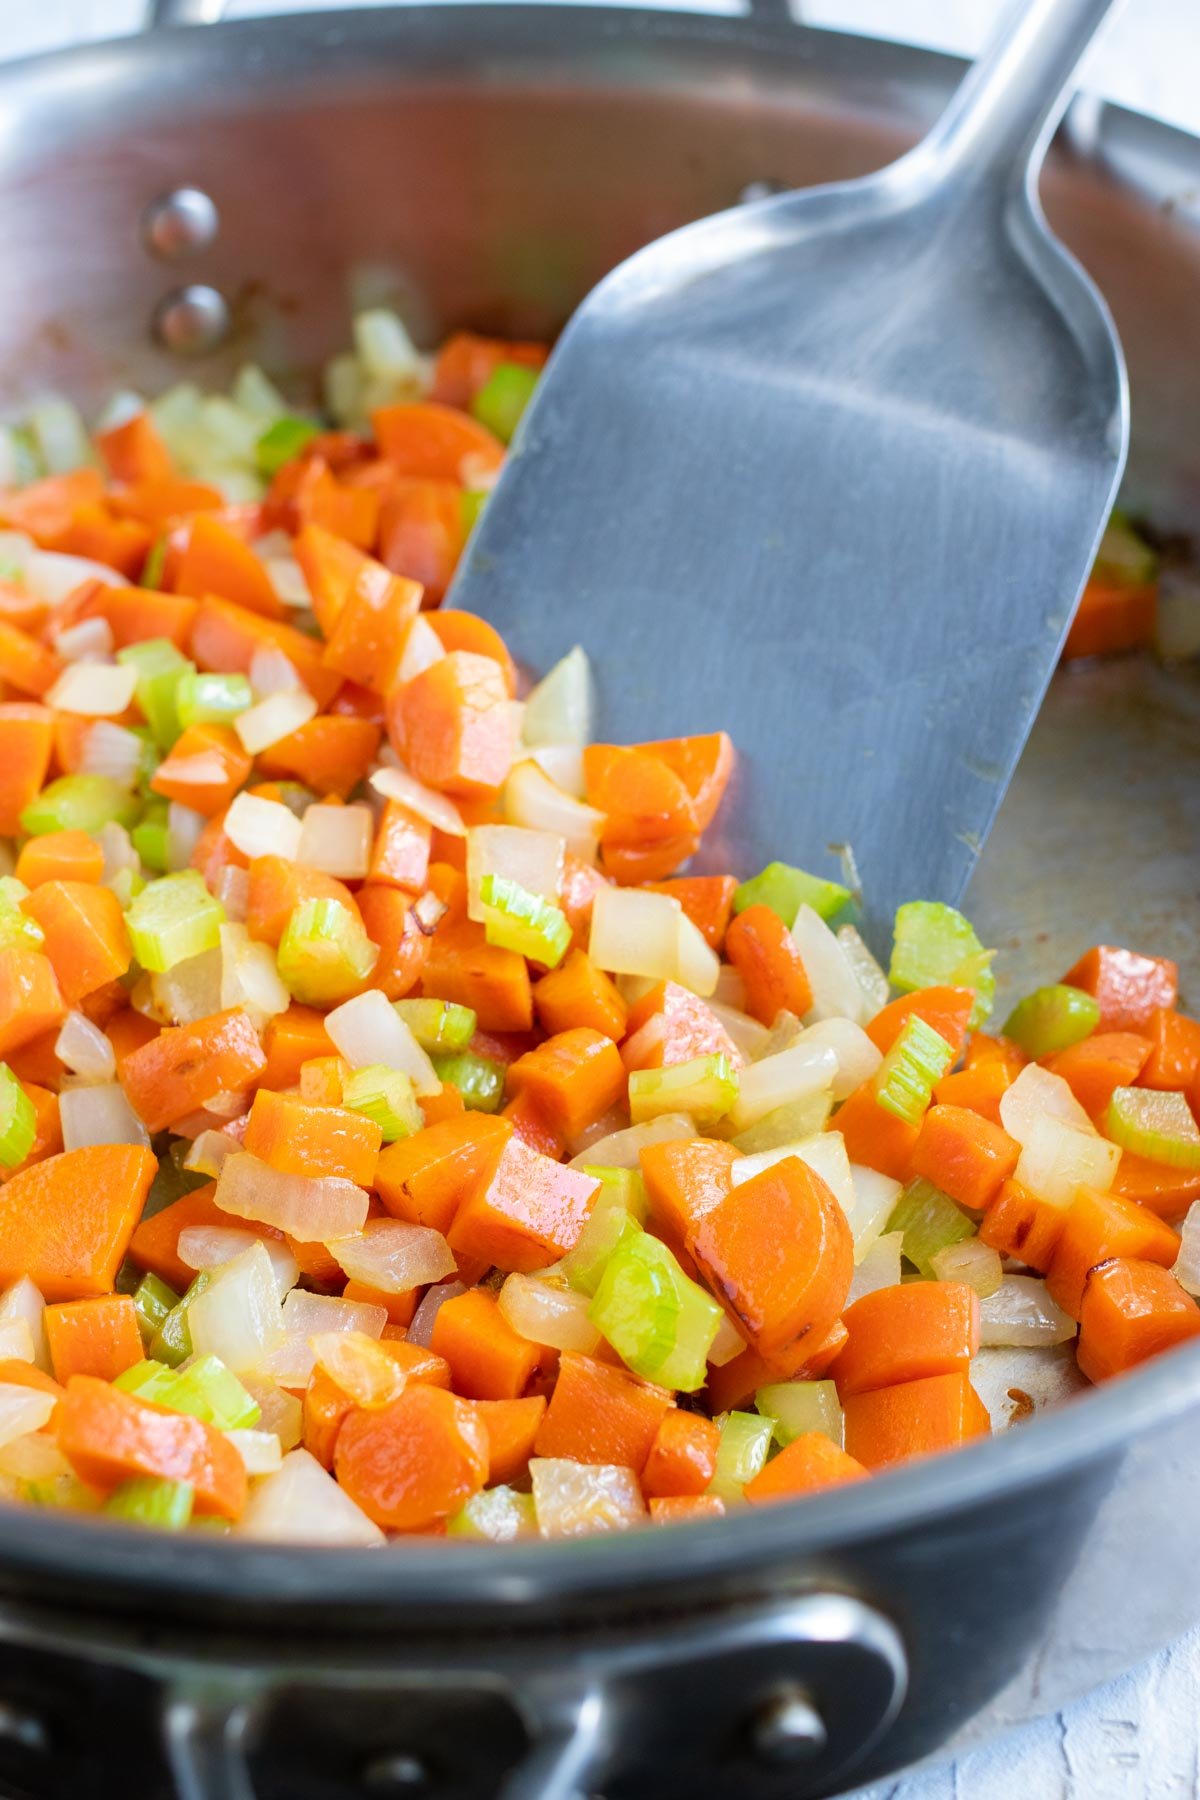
(360, 1366)
(699, 965)
(545, 1312)
(533, 859)
(233, 891)
(779, 1080)
(560, 708)
(306, 1316)
(398, 784)
(1038, 1094)
(533, 800)
(1058, 1157)
(635, 932)
(260, 827)
(84, 1049)
(301, 1504)
(972, 1261)
(867, 972)
(22, 1305)
(385, 349)
(836, 993)
(273, 719)
(250, 975)
(563, 763)
(727, 1344)
(394, 1257)
(60, 434)
(22, 1410)
(857, 1057)
(421, 1329)
(337, 840)
(111, 750)
(91, 640)
(875, 1198)
(237, 1316)
(210, 1246)
(878, 1268)
(281, 1412)
(261, 1451)
(99, 1115)
(747, 1034)
(93, 690)
(207, 1154)
(271, 672)
(184, 826)
(315, 1210)
(34, 1457)
(368, 1030)
(1186, 1268)
(825, 1154)
(190, 990)
(623, 1149)
(52, 576)
(1022, 1312)
(16, 1341)
(287, 578)
(575, 1499)
(422, 648)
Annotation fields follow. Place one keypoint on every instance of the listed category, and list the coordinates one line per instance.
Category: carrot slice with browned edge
(181, 1069)
(1096, 1227)
(1131, 1310)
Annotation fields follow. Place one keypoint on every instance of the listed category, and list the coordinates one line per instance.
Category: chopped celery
(478, 1079)
(150, 1379)
(205, 699)
(152, 1301)
(620, 1187)
(1124, 557)
(172, 919)
(785, 890)
(210, 1391)
(903, 1082)
(745, 1445)
(149, 835)
(801, 1406)
(1052, 1018)
(470, 506)
(515, 919)
(386, 1096)
(503, 398)
(606, 1228)
(437, 1024)
(929, 1220)
(16, 927)
(150, 1500)
(155, 564)
(500, 1514)
(659, 1322)
(788, 1124)
(705, 1088)
(80, 803)
(935, 945)
(172, 1341)
(159, 666)
(324, 953)
(18, 1121)
(1159, 1126)
(282, 441)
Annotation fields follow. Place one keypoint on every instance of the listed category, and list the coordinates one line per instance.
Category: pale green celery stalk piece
(149, 836)
(437, 1024)
(607, 1227)
(786, 889)
(324, 954)
(744, 1448)
(705, 1088)
(798, 1407)
(623, 1187)
(386, 1096)
(929, 1220)
(18, 1121)
(159, 666)
(503, 398)
(659, 1321)
(498, 1514)
(173, 1340)
(788, 1124)
(934, 945)
(80, 803)
(478, 1079)
(150, 1379)
(152, 1301)
(150, 1500)
(903, 1082)
(1051, 1019)
(202, 698)
(210, 1391)
(281, 442)
(172, 919)
(515, 919)
(16, 927)
(1160, 1126)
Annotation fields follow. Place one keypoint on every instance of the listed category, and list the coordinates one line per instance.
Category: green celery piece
(386, 1096)
(80, 803)
(282, 441)
(929, 1221)
(172, 1342)
(705, 1087)
(149, 835)
(159, 665)
(934, 945)
(1052, 1018)
(324, 954)
(606, 1228)
(205, 699)
(499, 1514)
(903, 1082)
(470, 506)
(503, 398)
(437, 1024)
(152, 1301)
(620, 1187)
(17, 929)
(18, 1121)
(210, 1391)
(785, 890)
(515, 919)
(173, 919)
(155, 564)
(1124, 558)
(478, 1079)
(744, 1448)
(1157, 1125)
(150, 1379)
(788, 1124)
(797, 1407)
(150, 1500)
(659, 1322)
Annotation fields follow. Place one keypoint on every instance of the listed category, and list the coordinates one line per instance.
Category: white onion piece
(60, 434)
(208, 1152)
(624, 1148)
(546, 1312)
(91, 640)
(189, 991)
(93, 690)
(115, 843)
(287, 578)
(970, 1261)
(250, 975)
(111, 750)
(99, 1115)
(857, 1057)
(779, 1080)
(368, 1030)
(271, 672)
(233, 891)
(1186, 1267)
(22, 1304)
(1038, 1094)
(83, 1048)
(385, 349)
(563, 763)
(825, 1155)
(398, 784)
(836, 993)
(184, 826)
(281, 1412)
(1022, 1312)
(211, 1246)
(34, 1457)
(533, 859)
(22, 1410)
(635, 932)
(1017, 1383)
(867, 972)
(52, 576)
(306, 1316)
(16, 1341)
(273, 719)
(727, 1344)
(238, 1316)
(260, 827)
(394, 1257)
(421, 1329)
(533, 800)
(16, 549)
(261, 1451)
(313, 1209)
(561, 706)
(699, 965)
(337, 840)
(301, 1504)
(878, 1268)
(422, 648)
(574, 1499)
(875, 1198)
(747, 1034)
(1058, 1157)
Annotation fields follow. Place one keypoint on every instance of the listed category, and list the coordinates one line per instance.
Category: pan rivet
(787, 1727)
(396, 1774)
(179, 223)
(191, 320)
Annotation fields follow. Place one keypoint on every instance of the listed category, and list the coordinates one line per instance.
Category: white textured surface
(1139, 1737)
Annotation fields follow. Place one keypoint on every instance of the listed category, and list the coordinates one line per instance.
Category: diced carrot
(20, 607)
(204, 769)
(467, 631)
(736, 1382)
(1096, 1227)
(326, 1407)
(330, 755)
(574, 1078)
(134, 451)
(425, 1177)
(528, 1212)
(421, 532)
(137, 613)
(372, 622)
(907, 1332)
(685, 1179)
(418, 1363)
(181, 1069)
(85, 935)
(225, 638)
(26, 741)
(641, 865)
(45, 508)
(121, 543)
(643, 800)
(15, 1373)
(462, 966)
(99, 1337)
(37, 1061)
(683, 1456)
(400, 857)
(532, 1127)
(1112, 616)
(317, 1263)
(512, 1427)
(154, 1245)
(399, 1308)
(31, 1001)
(577, 993)
(66, 1222)
(24, 663)
(312, 1140)
(764, 953)
(706, 899)
(128, 1030)
(1020, 1225)
(432, 441)
(214, 852)
(487, 1358)
(165, 503)
(291, 1039)
(1131, 1310)
(1130, 987)
(682, 1509)
(873, 1135)
(330, 567)
(415, 1461)
(217, 561)
(670, 1025)
(1162, 1190)
(60, 856)
(947, 1009)
(809, 1464)
(277, 887)
(109, 1436)
(704, 764)
(436, 1108)
(778, 1252)
(984, 1049)
(1174, 1059)
(453, 724)
(965, 1155)
(466, 362)
(404, 949)
(355, 702)
(104, 1003)
(979, 1089)
(1094, 1069)
(599, 1413)
(913, 1418)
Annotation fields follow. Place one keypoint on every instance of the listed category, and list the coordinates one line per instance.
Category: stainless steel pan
(484, 165)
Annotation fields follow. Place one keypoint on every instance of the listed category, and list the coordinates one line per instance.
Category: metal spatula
(828, 472)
